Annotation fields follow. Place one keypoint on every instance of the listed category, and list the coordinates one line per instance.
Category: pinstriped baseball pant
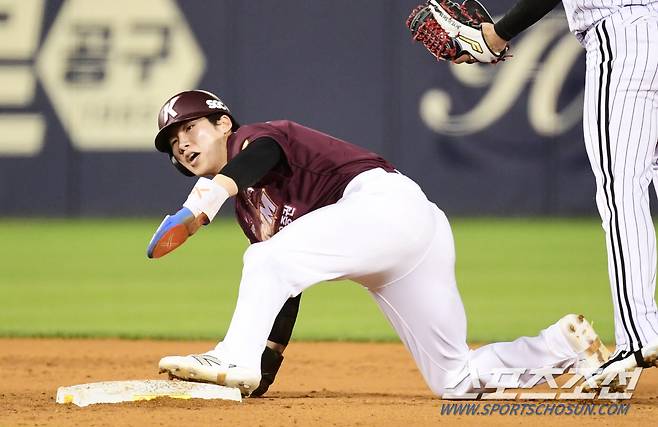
(621, 135)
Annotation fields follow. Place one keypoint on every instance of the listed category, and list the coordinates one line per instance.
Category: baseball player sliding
(316, 209)
(621, 133)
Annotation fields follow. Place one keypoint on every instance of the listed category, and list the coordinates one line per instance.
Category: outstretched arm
(249, 166)
(523, 15)
(252, 163)
(520, 17)
(208, 195)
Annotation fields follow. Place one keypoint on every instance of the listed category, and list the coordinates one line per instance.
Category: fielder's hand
(174, 231)
(453, 32)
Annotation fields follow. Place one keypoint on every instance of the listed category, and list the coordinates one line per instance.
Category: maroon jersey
(316, 170)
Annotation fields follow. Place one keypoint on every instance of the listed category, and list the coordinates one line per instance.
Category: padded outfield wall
(81, 82)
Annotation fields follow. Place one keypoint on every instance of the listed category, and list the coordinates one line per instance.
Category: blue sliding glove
(174, 231)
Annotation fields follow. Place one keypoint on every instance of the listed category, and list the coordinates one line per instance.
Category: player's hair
(213, 118)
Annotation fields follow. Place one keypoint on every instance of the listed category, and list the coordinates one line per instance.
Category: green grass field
(92, 278)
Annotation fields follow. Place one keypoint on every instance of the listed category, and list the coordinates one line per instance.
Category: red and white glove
(449, 30)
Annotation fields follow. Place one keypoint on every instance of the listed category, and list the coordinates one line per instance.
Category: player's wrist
(495, 42)
(227, 182)
(206, 197)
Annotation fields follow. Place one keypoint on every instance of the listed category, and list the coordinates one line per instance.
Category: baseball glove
(449, 30)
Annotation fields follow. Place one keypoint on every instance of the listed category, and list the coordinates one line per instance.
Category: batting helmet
(188, 105)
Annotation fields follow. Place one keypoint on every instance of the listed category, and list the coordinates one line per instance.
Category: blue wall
(481, 140)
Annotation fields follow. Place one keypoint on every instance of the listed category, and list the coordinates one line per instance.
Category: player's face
(200, 145)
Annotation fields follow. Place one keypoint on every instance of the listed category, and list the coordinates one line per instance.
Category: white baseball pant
(384, 234)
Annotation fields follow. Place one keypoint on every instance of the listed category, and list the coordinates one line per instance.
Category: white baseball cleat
(210, 369)
(584, 340)
(607, 375)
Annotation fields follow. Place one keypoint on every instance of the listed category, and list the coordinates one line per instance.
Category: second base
(131, 391)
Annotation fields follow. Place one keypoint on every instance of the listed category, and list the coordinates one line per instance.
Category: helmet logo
(168, 110)
(215, 103)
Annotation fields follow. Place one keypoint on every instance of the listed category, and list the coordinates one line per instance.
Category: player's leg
(277, 342)
(620, 125)
(426, 310)
(571, 342)
(374, 234)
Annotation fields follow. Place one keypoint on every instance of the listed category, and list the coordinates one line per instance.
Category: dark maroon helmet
(188, 105)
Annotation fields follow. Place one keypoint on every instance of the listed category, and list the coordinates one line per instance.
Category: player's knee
(261, 257)
(265, 266)
(455, 382)
(440, 387)
(437, 390)
(255, 255)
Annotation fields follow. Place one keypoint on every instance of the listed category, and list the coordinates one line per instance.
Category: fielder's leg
(621, 130)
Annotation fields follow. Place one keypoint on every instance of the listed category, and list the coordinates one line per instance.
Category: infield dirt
(344, 384)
